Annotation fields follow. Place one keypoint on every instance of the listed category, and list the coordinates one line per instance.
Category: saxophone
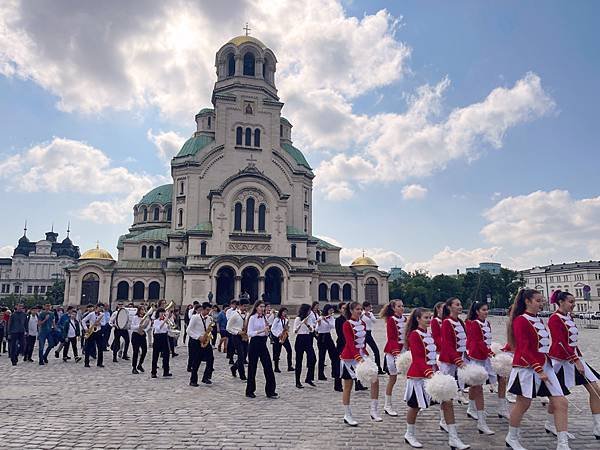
(207, 336)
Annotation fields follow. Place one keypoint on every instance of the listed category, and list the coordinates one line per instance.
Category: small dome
(239, 40)
(97, 253)
(161, 195)
(364, 261)
(67, 241)
(24, 240)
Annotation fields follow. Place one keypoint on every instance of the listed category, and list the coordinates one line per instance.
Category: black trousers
(240, 350)
(138, 342)
(277, 351)
(94, 343)
(16, 346)
(200, 354)
(230, 347)
(371, 343)
(73, 342)
(29, 346)
(326, 346)
(116, 344)
(160, 347)
(257, 349)
(304, 344)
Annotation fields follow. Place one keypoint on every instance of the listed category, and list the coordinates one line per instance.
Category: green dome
(161, 195)
(194, 144)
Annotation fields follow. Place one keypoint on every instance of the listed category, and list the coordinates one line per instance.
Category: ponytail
(474, 309)
(388, 310)
(412, 324)
(518, 308)
(446, 309)
(350, 308)
(559, 296)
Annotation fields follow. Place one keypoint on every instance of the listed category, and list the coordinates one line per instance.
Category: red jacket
(477, 347)
(422, 350)
(564, 335)
(528, 343)
(436, 331)
(453, 346)
(395, 335)
(354, 336)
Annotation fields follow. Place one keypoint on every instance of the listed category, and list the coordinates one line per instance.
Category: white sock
(410, 428)
(472, 406)
(563, 436)
(481, 415)
(442, 419)
(374, 405)
(596, 418)
(347, 410)
(513, 432)
(388, 400)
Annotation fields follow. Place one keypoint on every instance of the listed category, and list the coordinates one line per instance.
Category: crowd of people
(546, 360)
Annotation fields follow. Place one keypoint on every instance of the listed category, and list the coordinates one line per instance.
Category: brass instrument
(244, 331)
(285, 333)
(93, 328)
(173, 331)
(205, 339)
(144, 322)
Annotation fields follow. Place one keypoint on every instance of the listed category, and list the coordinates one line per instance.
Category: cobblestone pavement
(64, 405)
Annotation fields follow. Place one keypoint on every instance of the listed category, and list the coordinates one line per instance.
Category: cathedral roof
(325, 244)
(194, 144)
(157, 234)
(296, 154)
(239, 40)
(161, 195)
(363, 261)
(97, 253)
(206, 110)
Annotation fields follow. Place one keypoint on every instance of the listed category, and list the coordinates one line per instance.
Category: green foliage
(56, 293)
(419, 289)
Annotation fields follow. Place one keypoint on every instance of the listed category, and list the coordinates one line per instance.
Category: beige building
(237, 217)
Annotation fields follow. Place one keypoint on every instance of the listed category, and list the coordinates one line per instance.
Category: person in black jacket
(16, 330)
(71, 331)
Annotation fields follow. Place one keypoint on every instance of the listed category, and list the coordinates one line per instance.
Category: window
(238, 136)
(180, 218)
(305, 224)
(262, 213)
(539, 280)
(156, 214)
(306, 196)
(565, 277)
(36, 289)
(203, 248)
(123, 290)
(597, 276)
(5, 288)
(551, 279)
(250, 214)
(323, 258)
(17, 289)
(151, 252)
(181, 187)
(257, 138)
(249, 64)
(145, 213)
(143, 251)
(293, 250)
(138, 290)
(230, 65)
(334, 292)
(29, 289)
(248, 137)
(265, 69)
(579, 277)
(42, 289)
(208, 123)
(153, 291)
(578, 292)
(157, 254)
(280, 130)
(237, 219)
(598, 291)
(169, 213)
(318, 256)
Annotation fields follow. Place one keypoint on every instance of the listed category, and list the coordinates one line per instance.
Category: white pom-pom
(472, 374)
(403, 362)
(502, 364)
(367, 371)
(496, 347)
(441, 387)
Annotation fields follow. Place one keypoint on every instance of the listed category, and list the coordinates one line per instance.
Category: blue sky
(521, 189)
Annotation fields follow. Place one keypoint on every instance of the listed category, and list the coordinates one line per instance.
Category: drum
(174, 333)
(122, 319)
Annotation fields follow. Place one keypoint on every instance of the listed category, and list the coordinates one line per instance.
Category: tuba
(173, 331)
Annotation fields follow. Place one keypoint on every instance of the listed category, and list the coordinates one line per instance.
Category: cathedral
(237, 218)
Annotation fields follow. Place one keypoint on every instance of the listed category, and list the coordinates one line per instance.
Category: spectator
(45, 325)
(31, 328)
(16, 330)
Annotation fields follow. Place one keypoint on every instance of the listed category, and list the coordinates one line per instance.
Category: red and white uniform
(565, 352)
(454, 346)
(354, 349)
(424, 352)
(479, 340)
(531, 346)
(395, 341)
(436, 332)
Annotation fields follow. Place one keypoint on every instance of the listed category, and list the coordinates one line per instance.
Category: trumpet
(144, 321)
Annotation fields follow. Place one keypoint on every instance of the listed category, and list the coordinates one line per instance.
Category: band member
(200, 335)
(195, 309)
(119, 333)
(140, 328)
(422, 349)
(96, 340)
(325, 325)
(370, 320)
(258, 332)
(161, 343)
(436, 324)
(532, 374)
(304, 344)
(354, 352)
(214, 314)
(270, 314)
(314, 314)
(395, 323)
(340, 343)
(233, 305)
(236, 328)
(71, 332)
(281, 332)
(567, 360)
(479, 340)
(32, 332)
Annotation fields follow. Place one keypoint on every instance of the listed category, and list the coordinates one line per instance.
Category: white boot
(443, 425)
(454, 441)
(482, 424)
(410, 437)
(563, 441)
(550, 428)
(503, 409)
(388, 408)
(596, 418)
(472, 410)
(512, 439)
(511, 398)
(348, 416)
(374, 411)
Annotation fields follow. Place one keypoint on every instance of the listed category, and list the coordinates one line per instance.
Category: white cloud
(167, 144)
(414, 192)
(448, 260)
(6, 251)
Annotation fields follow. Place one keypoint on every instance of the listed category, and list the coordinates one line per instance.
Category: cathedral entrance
(273, 284)
(250, 283)
(90, 285)
(225, 285)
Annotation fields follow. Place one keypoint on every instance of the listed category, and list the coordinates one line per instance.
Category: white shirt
(135, 324)
(369, 319)
(90, 319)
(229, 312)
(302, 328)
(257, 325)
(190, 313)
(235, 322)
(325, 324)
(270, 318)
(160, 326)
(32, 329)
(312, 319)
(72, 328)
(198, 325)
(278, 326)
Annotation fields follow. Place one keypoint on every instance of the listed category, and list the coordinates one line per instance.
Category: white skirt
(450, 369)
(348, 369)
(390, 364)
(415, 395)
(569, 376)
(487, 365)
(526, 382)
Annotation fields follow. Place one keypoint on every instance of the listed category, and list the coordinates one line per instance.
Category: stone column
(261, 287)
(239, 65)
(130, 295)
(145, 292)
(237, 287)
(258, 67)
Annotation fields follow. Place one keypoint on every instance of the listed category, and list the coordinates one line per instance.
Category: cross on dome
(246, 29)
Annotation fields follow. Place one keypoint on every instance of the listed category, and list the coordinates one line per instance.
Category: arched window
(123, 290)
(154, 290)
(169, 213)
(248, 137)
(208, 123)
(237, 217)
(238, 136)
(323, 292)
(250, 214)
(305, 224)
(230, 65)
(156, 214)
(280, 130)
(145, 213)
(262, 214)
(323, 259)
(180, 218)
(265, 70)
(335, 292)
(151, 252)
(203, 248)
(371, 291)
(143, 251)
(138, 290)
(257, 138)
(157, 254)
(347, 292)
(181, 187)
(318, 256)
(293, 250)
(249, 64)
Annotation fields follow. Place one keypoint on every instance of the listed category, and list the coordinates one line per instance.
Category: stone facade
(238, 216)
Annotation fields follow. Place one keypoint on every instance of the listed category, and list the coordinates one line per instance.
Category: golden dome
(239, 40)
(363, 261)
(97, 253)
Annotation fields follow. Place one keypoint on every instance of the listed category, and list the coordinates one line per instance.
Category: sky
(442, 134)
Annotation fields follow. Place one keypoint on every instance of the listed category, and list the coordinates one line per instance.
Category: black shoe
(115, 360)
(311, 383)
(126, 358)
(194, 384)
(68, 357)
(64, 359)
(299, 386)
(100, 365)
(140, 368)
(250, 395)
(134, 371)
(231, 362)
(56, 354)
(277, 370)
(233, 371)
(381, 372)
(243, 378)
(42, 363)
(291, 369)
(245, 362)
(45, 360)
(273, 395)
(86, 365)
(322, 378)
(14, 363)
(207, 381)
(154, 375)
(337, 385)
(167, 374)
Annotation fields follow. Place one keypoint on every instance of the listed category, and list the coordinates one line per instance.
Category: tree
(55, 294)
